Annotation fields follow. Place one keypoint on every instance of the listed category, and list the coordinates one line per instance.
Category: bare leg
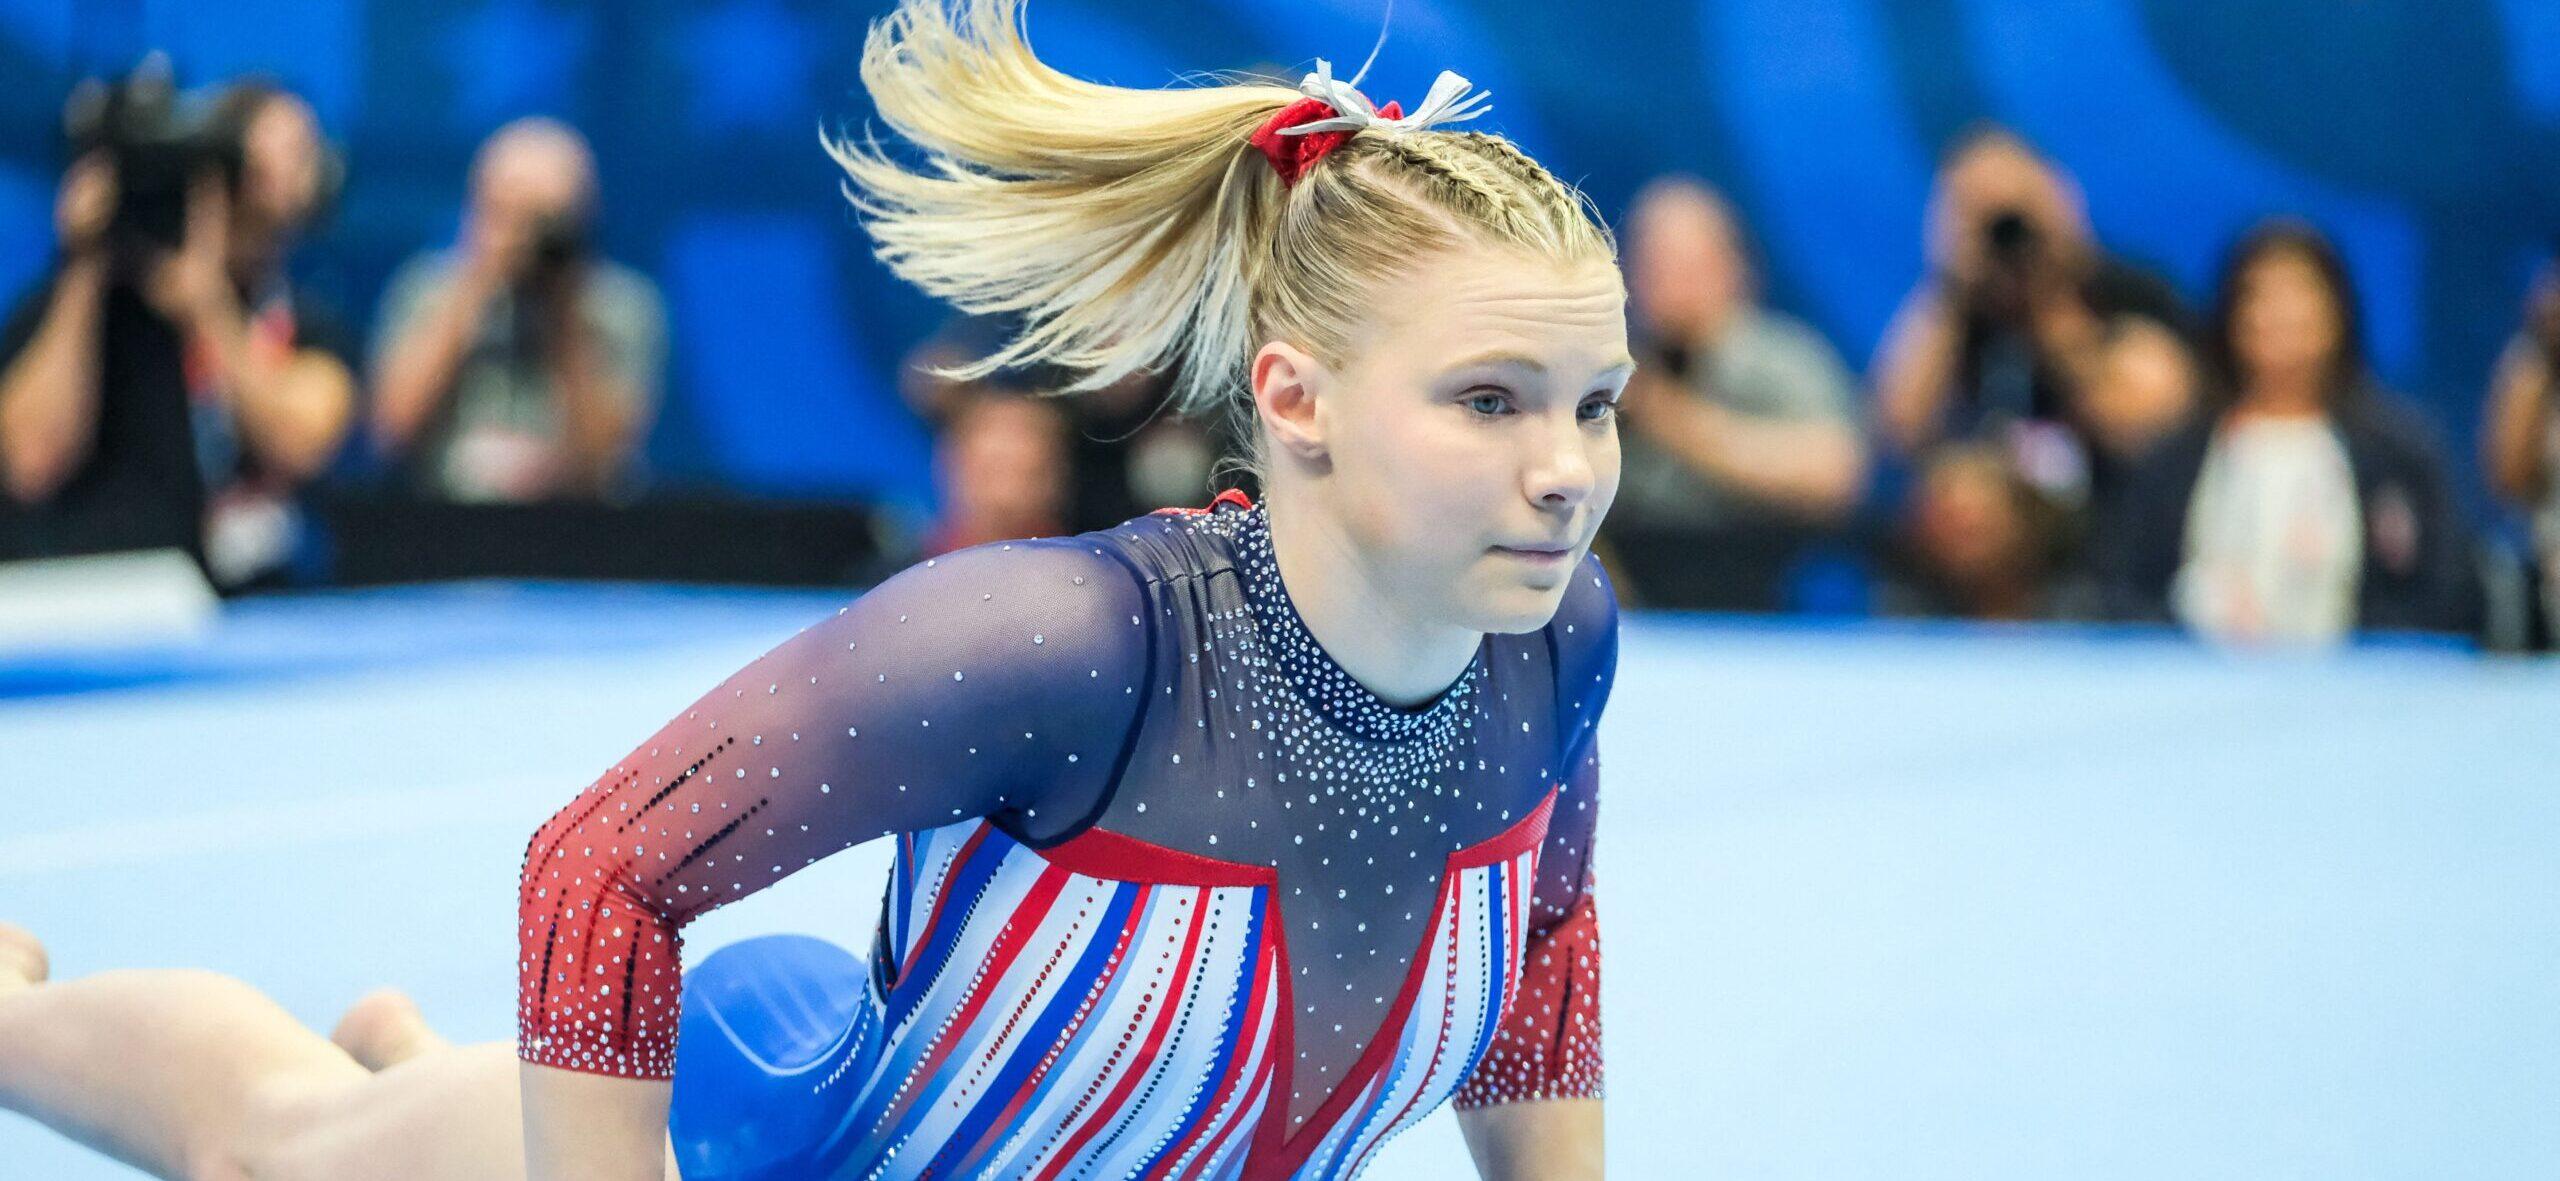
(22, 959)
(162, 1070)
(194, 1076)
(384, 1030)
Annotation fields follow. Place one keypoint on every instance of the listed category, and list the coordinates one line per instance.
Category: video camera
(160, 142)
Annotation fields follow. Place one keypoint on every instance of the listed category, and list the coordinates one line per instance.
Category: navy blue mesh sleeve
(1003, 677)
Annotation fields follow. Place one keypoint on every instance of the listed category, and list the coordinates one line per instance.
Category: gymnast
(1228, 842)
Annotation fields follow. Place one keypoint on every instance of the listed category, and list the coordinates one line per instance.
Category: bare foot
(22, 959)
(385, 1029)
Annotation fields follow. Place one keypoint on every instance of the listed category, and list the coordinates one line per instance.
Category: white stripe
(1184, 1062)
(983, 1052)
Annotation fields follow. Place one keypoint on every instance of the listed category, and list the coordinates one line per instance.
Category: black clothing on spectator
(159, 452)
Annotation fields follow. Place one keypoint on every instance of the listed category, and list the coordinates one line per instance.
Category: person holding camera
(520, 365)
(167, 385)
(2007, 334)
(1739, 432)
(2520, 431)
(2027, 337)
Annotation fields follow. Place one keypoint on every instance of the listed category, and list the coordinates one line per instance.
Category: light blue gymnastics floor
(1878, 903)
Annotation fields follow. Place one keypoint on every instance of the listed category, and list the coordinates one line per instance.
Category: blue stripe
(1498, 966)
(1246, 982)
(902, 892)
(1151, 1072)
(1406, 1062)
(861, 1045)
(966, 887)
(876, 1105)
(1043, 1031)
(1138, 938)
(1061, 1075)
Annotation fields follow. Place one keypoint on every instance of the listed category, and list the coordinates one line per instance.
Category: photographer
(2007, 334)
(2520, 430)
(166, 386)
(2027, 338)
(1738, 432)
(519, 366)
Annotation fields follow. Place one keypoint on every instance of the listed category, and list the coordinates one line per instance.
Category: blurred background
(1942, 297)
(403, 406)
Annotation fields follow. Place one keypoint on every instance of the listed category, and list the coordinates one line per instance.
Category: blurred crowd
(169, 385)
(2047, 431)
(2069, 439)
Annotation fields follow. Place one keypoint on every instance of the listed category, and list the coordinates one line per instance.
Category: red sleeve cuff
(599, 973)
(1548, 1046)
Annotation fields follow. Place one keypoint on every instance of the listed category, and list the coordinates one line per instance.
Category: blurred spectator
(2025, 334)
(2312, 503)
(166, 384)
(1981, 543)
(2520, 440)
(1738, 418)
(1001, 463)
(2145, 386)
(1128, 452)
(2007, 333)
(520, 365)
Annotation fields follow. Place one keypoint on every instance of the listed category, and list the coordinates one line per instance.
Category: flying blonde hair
(1134, 230)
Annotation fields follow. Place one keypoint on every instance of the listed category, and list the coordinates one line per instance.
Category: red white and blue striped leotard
(1174, 896)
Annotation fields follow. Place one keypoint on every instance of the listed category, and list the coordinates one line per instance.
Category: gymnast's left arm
(1005, 677)
(1531, 1110)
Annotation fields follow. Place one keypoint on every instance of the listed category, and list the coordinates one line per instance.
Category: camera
(1673, 359)
(159, 143)
(559, 239)
(2013, 241)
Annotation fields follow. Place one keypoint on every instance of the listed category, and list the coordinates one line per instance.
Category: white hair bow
(1448, 102)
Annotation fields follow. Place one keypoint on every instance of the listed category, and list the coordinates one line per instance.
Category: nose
(1559, 475)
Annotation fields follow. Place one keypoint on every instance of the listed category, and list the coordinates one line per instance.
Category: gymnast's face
(1467, 447)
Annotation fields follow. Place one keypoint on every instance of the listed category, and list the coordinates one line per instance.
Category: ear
(1288, 384)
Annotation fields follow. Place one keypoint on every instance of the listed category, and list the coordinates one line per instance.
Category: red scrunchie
(1293, 155)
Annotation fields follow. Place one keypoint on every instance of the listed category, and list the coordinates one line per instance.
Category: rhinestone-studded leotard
(1173, 894)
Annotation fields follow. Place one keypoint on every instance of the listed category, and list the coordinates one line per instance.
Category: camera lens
(2013, 239)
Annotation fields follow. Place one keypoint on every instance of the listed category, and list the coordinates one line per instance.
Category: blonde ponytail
(1132, 230)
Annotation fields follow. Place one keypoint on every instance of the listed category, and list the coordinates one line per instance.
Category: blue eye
(1598, 409)
(1490, 403)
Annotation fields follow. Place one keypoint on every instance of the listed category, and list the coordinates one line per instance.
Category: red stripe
(1101, 853)
(1440, 1045)
(941, 896)
(1017, 931)
(1137, 915)
(1440, 1048)
(1263, 961)
(1277, 1152)
(1146, 1054)
(1057, 1052)
(1523, 835)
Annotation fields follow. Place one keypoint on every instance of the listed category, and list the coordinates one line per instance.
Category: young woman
(1229, 842)
(2312, 503)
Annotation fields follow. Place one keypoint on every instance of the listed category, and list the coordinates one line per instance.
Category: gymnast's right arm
(1002, 678)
